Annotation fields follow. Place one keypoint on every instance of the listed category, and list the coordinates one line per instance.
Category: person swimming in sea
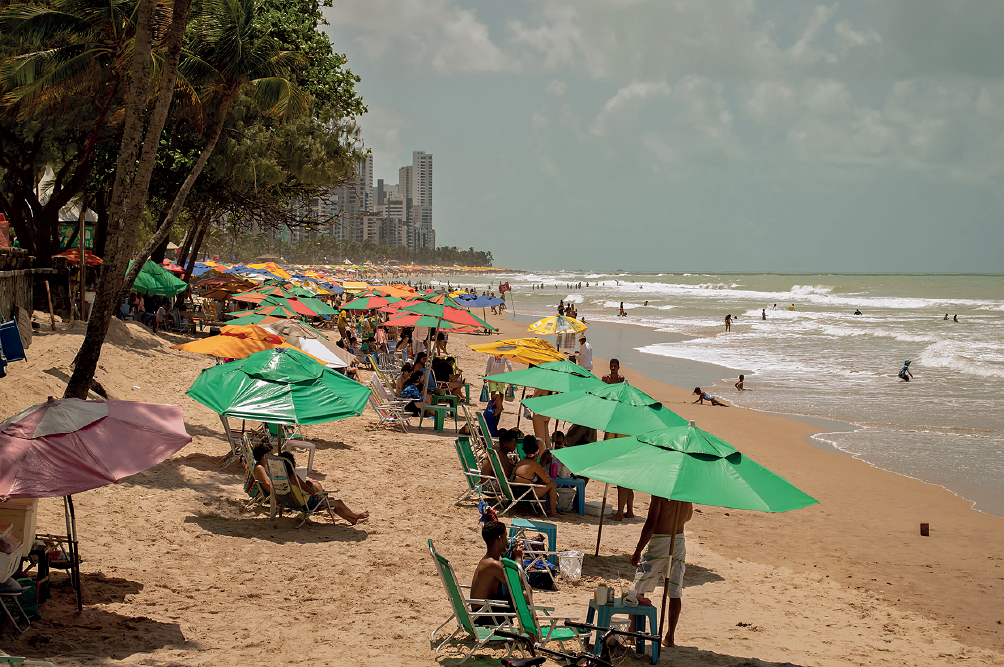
(904, 373)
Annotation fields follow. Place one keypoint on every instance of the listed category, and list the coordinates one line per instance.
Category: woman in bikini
(529, 471)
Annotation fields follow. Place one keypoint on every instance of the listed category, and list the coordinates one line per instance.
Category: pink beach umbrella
(67, 446)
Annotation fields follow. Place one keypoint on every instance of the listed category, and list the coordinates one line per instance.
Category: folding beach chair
(526, 612)
(467, 632)
(288, 494)
(508, 498)
(478, 485)
(292, 438)
(486, 435)
(383, 395)
(390, 415)
(232, 438)
(256, 496)
(378, 372)
(543, 557)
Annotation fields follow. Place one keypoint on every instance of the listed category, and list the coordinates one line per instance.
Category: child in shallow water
(705, 396)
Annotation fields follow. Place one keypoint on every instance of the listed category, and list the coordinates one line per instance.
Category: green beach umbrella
(370, 302)
(156, 280)
(279, 386)
(446, 313)
(688, 464)
(317, 305)
(614, 408)
(560, 376)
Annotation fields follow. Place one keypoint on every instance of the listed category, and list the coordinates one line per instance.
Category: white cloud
(421, 35)
(769, 102)
(556, 87)
(626, 99)
(805, 51)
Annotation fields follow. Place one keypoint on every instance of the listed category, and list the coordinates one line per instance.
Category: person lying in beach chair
(278, 474)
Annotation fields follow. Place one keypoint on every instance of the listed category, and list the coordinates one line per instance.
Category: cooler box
(21, 512)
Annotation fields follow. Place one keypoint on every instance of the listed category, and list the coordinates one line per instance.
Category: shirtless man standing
(489, 575)
(657, 533)
(625, 497)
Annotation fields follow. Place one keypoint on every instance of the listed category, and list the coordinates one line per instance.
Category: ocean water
(820, 360)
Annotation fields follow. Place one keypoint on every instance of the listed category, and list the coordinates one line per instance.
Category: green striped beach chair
(526, 612)
(467, 632)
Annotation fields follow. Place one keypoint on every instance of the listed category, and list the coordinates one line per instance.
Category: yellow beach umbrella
(557, 324)
(524, 350)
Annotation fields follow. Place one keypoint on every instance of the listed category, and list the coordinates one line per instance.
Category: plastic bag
(484, 393)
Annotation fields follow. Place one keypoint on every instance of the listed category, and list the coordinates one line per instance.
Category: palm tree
(231, 54)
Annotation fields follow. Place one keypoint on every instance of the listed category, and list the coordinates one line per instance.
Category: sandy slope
(176, 572)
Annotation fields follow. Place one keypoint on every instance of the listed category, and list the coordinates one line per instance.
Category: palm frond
(39, 24)
(279, 97)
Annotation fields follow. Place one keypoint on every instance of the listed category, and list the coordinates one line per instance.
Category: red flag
(504, 287)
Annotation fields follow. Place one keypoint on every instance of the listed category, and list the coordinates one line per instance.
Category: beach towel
(652, 568)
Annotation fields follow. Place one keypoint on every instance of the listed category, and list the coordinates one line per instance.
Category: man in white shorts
(665, 517)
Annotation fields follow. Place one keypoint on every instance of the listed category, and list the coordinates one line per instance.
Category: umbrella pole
(603, 510)
(519, 413)
(71, 539)
(669, 570)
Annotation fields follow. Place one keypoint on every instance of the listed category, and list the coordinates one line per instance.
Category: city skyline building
(394, 215)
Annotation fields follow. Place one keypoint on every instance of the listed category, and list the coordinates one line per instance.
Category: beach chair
(292, 438)
(541, 559)
(478, 486)
(467, 632)
(256, 495)
(384, 396)
(390, 415)
(526, 612)
(288, 494)
(232, 438)
(485, 433)
(509, 498)
(375, 367)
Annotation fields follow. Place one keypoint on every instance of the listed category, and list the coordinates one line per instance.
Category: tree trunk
(132, 179)
(179, 199)
(186, 245)
(203, 228)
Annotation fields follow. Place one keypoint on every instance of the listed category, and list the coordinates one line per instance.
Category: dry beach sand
(176, 572)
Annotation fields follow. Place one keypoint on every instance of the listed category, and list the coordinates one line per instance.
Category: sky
(694, 134)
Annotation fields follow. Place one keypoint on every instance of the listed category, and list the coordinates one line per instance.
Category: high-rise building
(421, 178)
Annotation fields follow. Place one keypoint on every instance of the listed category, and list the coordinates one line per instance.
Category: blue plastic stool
(641, 612)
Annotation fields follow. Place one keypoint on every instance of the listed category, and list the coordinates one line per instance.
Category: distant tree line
(327, 250)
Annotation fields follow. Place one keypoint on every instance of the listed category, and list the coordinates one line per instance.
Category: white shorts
(652, 568)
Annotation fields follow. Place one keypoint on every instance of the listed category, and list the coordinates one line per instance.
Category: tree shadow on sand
(280, 530)
(94, 635)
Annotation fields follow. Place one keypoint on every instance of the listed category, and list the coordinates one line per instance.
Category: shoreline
(705, 373)
(858, 503)
(171, 556)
